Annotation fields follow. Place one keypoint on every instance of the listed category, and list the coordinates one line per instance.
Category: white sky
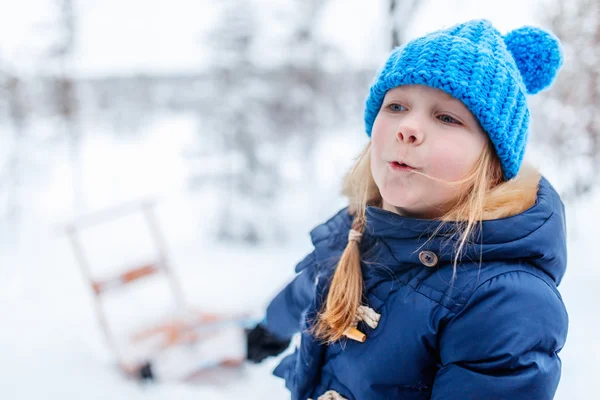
(127, 36)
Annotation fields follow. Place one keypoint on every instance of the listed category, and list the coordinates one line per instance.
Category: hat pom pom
(538, 56)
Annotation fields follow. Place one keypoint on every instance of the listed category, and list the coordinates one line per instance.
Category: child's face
(433, 133)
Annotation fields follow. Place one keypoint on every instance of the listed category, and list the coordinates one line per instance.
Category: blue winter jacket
(492, 333)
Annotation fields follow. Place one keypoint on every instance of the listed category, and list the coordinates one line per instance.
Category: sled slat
(124, 278)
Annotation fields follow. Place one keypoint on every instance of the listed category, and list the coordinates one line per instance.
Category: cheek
(454, 158)
(378, 142)
(380, 129)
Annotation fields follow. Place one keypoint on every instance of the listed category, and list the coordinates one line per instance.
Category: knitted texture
(490, 73)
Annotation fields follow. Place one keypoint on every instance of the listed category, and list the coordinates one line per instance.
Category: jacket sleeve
(504, 343)
(285, 310)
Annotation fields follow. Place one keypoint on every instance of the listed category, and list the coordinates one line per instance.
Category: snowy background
(239, 118)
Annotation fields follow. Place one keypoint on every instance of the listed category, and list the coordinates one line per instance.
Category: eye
(448, 119)
(396, 107)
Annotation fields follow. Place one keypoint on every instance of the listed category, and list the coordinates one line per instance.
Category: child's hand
(260, 344)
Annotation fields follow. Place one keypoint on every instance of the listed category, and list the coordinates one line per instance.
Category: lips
(400, 166)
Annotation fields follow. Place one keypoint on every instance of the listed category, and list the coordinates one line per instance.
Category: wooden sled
(183, 347)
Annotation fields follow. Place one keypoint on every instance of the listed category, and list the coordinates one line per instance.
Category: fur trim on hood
(514, 196)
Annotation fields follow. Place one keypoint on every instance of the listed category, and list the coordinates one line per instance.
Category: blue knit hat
(490, 73)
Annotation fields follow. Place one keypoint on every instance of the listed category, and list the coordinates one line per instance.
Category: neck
(432, 213)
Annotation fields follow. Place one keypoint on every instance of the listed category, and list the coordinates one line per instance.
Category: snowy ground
(51, 345)
(50, 341)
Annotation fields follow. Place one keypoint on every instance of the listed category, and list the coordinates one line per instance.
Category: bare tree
(401, 12)
(306, 62)
(11, 173)
(65, 95)
(230, 133)
(570, 127)
(17, 114)
(259, 111)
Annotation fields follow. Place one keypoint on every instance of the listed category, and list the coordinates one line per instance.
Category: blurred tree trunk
(401, 12)
(569, 122)
(231, 135)
(65, 97)
(256, 118)
(13, 179)
(307, 43)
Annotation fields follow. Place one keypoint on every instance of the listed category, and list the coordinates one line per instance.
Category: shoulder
(521, 281)
(504, 342)
(512, 277)
(471, 280)
(509, 310)
(335, 227)
(518, 295)
(328, 238)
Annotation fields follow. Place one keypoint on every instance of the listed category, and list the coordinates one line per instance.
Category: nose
(409, 132)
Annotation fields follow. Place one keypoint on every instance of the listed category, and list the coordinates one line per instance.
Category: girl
(439, 280)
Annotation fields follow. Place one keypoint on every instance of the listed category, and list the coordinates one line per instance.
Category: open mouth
(397, 166)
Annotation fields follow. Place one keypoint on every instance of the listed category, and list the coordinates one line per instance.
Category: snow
(50, 342)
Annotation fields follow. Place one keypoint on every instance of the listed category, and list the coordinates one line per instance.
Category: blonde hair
(345, 292)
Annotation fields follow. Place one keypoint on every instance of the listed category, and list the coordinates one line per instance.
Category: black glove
(145, 372)
(260, 344)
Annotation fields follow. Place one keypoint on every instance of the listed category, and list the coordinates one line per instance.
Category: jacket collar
(536, 234)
